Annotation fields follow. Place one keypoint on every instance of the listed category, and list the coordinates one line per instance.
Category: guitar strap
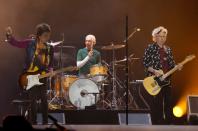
(31, 67)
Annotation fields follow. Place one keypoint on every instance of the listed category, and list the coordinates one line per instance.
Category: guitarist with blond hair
(158, 56)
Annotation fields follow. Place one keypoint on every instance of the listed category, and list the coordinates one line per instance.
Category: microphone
(136, 29)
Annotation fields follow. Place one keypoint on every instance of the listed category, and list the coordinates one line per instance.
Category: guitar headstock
(190, 57)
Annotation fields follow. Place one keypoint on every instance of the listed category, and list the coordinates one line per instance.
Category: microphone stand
(127, 37)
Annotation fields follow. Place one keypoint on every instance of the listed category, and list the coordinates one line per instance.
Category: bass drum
(81, 93)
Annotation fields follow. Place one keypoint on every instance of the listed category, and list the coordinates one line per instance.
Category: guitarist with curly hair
(39, 57)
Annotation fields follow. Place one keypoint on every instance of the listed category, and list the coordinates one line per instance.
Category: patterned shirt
(152, 59)
(33, 59)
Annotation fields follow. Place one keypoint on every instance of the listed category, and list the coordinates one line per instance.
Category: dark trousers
(38, 97)
(161, 107)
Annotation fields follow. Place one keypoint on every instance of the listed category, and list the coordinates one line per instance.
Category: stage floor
(125, 128)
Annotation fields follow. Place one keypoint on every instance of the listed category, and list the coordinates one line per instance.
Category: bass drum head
(79, 93)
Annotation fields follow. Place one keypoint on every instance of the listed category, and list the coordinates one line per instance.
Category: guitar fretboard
(177, 67)
(70, 68)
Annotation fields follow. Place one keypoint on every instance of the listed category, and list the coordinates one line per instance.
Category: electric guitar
(153, 84)
(29, 79)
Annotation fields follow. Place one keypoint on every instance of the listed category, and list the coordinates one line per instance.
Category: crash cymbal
(113, 46)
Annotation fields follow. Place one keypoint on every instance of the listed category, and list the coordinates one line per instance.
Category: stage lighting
(177, 111)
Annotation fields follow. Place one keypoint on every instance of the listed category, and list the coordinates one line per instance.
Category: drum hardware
(105, 104)
(113, 47)
(83, 93)
(58, 96)
(114, 101)
(120, 85)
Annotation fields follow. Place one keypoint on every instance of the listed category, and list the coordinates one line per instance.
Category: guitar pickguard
(160, 82)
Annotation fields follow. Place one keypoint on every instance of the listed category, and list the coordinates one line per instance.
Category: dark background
(106, 20)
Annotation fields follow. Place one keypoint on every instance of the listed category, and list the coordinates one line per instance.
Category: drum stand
(56, 100)
(105, 104)
(121, 99)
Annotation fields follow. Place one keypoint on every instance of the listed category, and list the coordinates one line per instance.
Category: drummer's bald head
(91, 37)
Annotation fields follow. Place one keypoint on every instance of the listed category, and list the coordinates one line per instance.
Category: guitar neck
(174, 69)
(170, 72)
(49, 74)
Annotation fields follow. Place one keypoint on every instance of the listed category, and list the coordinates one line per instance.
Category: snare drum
(98, 73)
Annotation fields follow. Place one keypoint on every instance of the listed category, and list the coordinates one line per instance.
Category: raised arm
(17, 43)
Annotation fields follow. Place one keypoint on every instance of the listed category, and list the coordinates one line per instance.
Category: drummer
(88, 56)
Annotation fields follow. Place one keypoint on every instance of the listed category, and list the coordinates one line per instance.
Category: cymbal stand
(60, 98)
(114, 100)
(121, 98)
(104, 103)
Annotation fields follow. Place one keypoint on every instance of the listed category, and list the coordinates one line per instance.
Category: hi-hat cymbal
(113, 46)
(123, 60)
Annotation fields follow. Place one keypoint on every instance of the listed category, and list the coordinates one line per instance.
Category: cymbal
(113, 46)
(130, 58)
(54, 43)
(123, 60)
(120, 65)
(66, 47)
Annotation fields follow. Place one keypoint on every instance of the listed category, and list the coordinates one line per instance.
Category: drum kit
(68, 91)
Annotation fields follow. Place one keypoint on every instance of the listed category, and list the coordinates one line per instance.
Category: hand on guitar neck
(155, 72)
(180, 67)
(158, 73)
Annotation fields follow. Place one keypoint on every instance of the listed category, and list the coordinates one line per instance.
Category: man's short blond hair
(91, 37)
(158, 30)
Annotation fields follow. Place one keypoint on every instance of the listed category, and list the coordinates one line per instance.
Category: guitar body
(29, 79)
(153, 85)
